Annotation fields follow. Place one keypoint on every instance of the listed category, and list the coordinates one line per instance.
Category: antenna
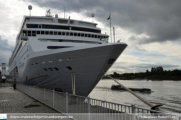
(64, 12)
(92, 15)
(30, 8)
(48, 13)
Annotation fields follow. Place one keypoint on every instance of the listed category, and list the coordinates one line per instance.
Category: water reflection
(165, 92)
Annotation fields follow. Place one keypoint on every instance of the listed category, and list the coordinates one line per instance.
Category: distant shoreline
(152, 79)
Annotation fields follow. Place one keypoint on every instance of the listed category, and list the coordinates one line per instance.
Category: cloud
(158, 19)
(4, 46)
(5, 50)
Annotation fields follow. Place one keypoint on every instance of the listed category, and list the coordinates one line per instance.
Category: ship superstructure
(63, 54)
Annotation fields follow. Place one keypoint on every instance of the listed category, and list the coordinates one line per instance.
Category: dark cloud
(5, 50)
(159, 19)
(5, 46)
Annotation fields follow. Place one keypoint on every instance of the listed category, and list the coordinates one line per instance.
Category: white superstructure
(51, 51)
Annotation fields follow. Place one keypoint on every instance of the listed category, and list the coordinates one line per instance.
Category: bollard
(53, 98)
(66, 102)
(88, 100)
(44, 95)
(133, 108)
(133, 112)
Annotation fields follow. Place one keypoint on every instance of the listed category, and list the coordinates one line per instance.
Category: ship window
(78, 34)
(75, 34)
(42, 32)
(46, 32)
(71, 22)
(32, 26)
(89, 35)
(63, 33)
(39, 26)
(86, 29)
(98, 36)
(71, 34)
(85, 35)
(38, 32)
(92, 36)
(24, 33)
(55, 33)
(63, 21)
(33, 33)
(55, 27)
(95, 36)
(67, 33)
(51, 32)
(29, 33)
(59, 33)
(45, 69)
(82, 35)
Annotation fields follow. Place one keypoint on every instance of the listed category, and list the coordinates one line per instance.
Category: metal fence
(89, 108)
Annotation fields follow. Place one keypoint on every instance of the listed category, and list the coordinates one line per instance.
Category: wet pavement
(14, 101)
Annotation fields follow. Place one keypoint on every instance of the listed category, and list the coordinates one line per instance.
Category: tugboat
(119, 87)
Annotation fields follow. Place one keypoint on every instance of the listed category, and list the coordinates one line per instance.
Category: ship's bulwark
(88, 64)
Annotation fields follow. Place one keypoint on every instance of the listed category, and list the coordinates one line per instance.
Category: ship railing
(89, 108)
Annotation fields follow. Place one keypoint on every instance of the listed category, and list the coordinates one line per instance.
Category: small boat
(118, 87)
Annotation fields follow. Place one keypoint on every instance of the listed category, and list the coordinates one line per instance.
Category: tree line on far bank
(156, 73)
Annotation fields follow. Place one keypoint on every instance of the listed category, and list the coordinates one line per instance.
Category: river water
(164, 92)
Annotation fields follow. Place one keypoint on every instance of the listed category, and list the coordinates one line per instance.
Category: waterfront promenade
(14, 101)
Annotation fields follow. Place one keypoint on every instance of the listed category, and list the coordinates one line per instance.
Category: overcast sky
(151, 28)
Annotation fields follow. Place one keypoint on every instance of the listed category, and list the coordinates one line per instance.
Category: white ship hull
(89, 65)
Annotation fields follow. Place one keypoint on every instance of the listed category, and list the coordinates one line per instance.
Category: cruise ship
(62, 54)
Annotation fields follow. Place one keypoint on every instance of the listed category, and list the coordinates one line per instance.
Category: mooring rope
(52, 81)
(46, 80)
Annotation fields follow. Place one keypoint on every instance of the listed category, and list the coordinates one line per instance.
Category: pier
(29, 99)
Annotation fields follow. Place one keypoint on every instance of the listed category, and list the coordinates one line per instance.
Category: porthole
(55, 68)
(69, 68)
(45, 69)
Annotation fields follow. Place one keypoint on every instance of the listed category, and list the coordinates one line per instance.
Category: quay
(29, 99)
(14, 101)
